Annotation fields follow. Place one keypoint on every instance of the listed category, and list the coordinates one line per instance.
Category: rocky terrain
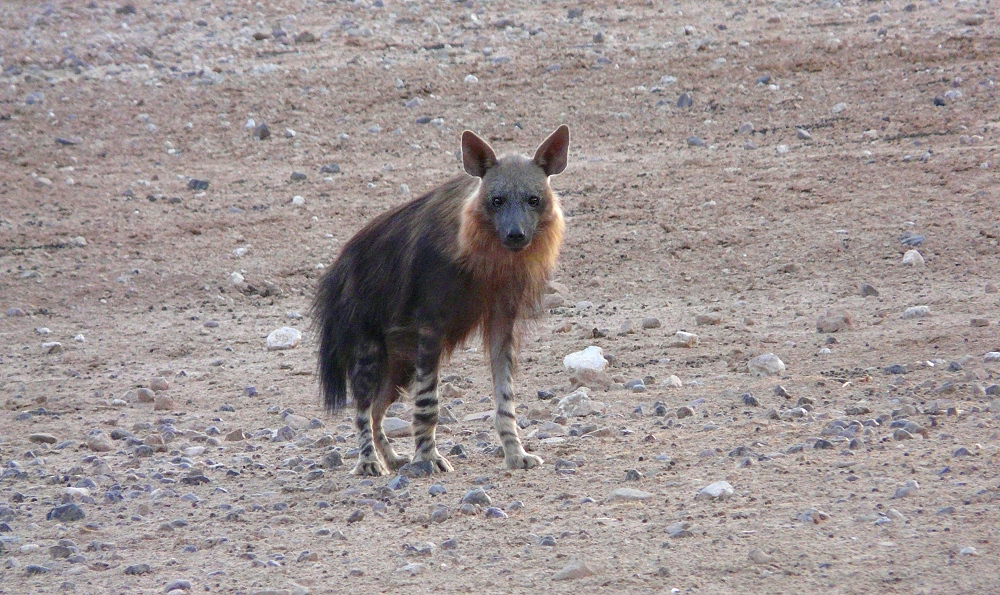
(782, 237)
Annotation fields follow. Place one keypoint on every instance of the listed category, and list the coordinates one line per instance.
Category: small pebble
(868, 291)
(916, 312)
(913, 258)
(766, 364)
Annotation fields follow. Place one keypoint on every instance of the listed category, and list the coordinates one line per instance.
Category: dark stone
(66, 513)
(194, 184)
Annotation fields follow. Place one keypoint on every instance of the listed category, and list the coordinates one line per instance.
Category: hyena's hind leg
(500, 339)
(399, 376)
(366, 378)
(425, 400)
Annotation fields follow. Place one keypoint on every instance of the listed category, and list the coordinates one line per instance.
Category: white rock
(591, 358)
(193, 451)
(992, 356)
(766, 364)
(285, 337)
(913, 258)
(481, 416)
(52, 347)
(969, 551)
(397, 428)
(298, 200)
(235, 278)
(76, 492)
(471, 79)
(578, 404)
(683, 339)
(572, 571)
(673, 382)
(759, 557)
(413, 568)
(99, 442)
(80, 339)
(917, 312)
(720, 490)
(628, 495)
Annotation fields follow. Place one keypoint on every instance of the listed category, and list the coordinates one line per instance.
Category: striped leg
(366, 377)
(501, 346)
(425, 393)
(399, 376)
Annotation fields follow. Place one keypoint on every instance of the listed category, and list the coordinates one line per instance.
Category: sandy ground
(811, 140)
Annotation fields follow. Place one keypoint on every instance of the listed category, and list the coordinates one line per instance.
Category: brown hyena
(474, 253)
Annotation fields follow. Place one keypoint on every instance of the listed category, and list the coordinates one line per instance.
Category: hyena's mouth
(516, 245)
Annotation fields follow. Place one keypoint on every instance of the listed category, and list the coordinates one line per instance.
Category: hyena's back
(401, 266)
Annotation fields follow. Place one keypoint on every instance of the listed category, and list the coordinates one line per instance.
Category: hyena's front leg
(501, 343)
(425, 393)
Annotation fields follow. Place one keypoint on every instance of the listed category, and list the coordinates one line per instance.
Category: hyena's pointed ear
(551, 154)
(477, 155)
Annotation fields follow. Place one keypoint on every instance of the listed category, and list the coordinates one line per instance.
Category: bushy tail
(335, 346)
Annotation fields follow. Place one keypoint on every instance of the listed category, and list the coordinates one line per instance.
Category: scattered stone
(162, 403)
(40, 438)
(979, 322)
(52, 347)
(440, 513)
(99, 442)
(650, 322)
(685, 100)
(330, 168)
(178, 585)
(262, 131)
(633, 475)
(916, 312)
(591, 379)
(591, 358)
(901, 434)
(814, 516)
(572, 571)
(197, 185)
(305, 37)
(803, 134)
(838, 107)
(578, 404)
(477, 496)
(868, 291)
(718, 491)
(137, 569)
(766, 364)
(694, 141)
(679, 530)
(833, 321)
(356, 516)
(36, 569)
(968, 551)
(909, 488)
(283, 338)
(67, 513)
(749, 400)
(628, 495)
(712, 318)
(913, 258)
(684, 339)
(236, 435)
(495, 513)
(395, 427)
(992, 356)
(673, 381)
(684, 411)
(759, 557)
(159, 383)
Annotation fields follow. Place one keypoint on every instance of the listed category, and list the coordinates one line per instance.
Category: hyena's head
(515, 193)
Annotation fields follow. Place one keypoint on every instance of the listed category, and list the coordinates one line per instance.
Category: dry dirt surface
(738, 171)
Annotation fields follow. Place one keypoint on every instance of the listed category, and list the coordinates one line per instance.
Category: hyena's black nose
(516, 239)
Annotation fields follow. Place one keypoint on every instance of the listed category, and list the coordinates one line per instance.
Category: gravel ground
(782, 232)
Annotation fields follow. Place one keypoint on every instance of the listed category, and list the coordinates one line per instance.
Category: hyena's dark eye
(534, 201)
(497, 201)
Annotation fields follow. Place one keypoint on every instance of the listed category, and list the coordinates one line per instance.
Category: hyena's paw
(522, 460)
(369, 467)
(394, 461)
(438, 462)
